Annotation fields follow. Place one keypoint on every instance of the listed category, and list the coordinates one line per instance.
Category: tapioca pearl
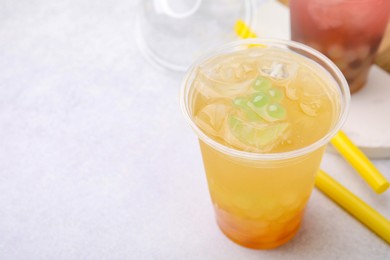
(335, 51)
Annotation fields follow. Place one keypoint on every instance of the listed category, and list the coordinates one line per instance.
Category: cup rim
(344, 92)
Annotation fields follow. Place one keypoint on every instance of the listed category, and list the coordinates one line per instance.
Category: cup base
(250, 243)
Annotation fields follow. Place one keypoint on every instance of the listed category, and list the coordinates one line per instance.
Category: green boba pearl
(260, 99)
(240, 102)
(275, 94)
(276, 110)
(262, 83)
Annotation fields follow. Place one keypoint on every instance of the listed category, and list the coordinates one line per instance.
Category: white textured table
(96, 161)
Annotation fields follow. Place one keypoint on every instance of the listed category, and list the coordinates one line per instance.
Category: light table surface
(96, 161)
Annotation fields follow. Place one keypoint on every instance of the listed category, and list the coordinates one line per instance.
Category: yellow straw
(340, 141)
(360, 162)
(355, 206)
(243, 31)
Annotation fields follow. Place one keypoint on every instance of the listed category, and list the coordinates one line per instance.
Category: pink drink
(347, 31)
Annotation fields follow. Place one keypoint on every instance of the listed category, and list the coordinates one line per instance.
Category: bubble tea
(347, 31)
(263, 112)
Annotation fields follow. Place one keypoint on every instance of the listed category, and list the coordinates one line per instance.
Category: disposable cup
(347, 31)
(259, 198)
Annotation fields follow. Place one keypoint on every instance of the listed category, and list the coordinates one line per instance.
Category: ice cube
(212, 119)
(213, 88)
(233, 72)
(279, 71)
(231, 68)
(304, 83)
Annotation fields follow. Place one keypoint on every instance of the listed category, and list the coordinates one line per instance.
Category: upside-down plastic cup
(259, 198)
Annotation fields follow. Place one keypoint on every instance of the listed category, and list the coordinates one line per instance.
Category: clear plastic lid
(173, 33)
(317, 59)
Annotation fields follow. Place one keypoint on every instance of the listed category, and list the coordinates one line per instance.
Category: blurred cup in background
(347, 31)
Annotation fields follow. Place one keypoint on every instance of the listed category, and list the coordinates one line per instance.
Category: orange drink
(264, 111)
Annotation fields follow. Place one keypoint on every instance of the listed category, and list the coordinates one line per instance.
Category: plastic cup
(171, 33)
(259, 198)
(347, 31)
